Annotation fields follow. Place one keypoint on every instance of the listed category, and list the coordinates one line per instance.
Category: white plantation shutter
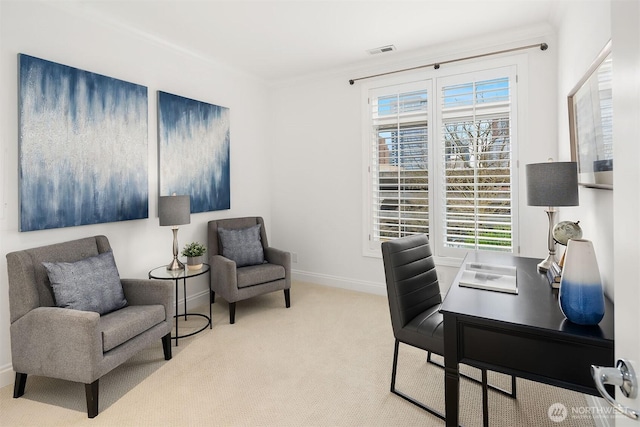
(399, 148)
(441, 160)
(475, 123)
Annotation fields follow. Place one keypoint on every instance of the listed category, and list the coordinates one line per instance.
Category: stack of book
(500, 278)
(554, 274)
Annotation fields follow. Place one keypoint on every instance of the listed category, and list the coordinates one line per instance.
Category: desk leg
(452, 373)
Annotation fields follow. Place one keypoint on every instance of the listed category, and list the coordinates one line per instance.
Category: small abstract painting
(193, 147)
(83, 153)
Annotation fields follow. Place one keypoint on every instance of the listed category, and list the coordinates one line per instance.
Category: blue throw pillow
(242, 245)
(91, 284)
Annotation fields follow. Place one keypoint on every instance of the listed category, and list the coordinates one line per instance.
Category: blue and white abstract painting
(82, 147)
(193, 147)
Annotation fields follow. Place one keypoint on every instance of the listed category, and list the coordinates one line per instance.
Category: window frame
(438, 240)
(517, 65)
(412, 81)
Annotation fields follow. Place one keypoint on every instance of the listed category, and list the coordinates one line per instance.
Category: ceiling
(279, 40)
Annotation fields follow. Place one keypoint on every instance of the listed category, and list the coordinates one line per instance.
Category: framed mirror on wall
(591, 123)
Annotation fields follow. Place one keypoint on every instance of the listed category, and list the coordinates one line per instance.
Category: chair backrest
(412, 281)
(213, 242)
(29, 285)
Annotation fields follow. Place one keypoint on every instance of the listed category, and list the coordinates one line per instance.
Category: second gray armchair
(243, 265)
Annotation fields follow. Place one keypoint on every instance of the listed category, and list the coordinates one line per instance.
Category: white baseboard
(7, 375)
(195, 300)
(340, 282)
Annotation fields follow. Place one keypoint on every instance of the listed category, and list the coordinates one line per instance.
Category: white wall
(625, 29)
(318, 163)
(66, 36)
(583, 30)
(296, 148)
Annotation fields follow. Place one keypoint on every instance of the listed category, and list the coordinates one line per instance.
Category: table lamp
(552, 184)
(174, 211)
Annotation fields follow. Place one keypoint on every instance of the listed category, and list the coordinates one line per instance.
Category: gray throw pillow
(242, 245)
(91, 284)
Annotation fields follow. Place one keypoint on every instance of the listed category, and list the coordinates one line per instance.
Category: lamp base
(175, 265)
(551, 258)
(546, 263)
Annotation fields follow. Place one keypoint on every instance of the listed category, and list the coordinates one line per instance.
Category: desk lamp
(552, 184)
(174, 211)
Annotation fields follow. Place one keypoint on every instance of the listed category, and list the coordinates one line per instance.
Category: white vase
(581, 295)
(195, 263)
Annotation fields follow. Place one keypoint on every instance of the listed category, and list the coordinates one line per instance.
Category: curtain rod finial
(544, 46)
(351, 82)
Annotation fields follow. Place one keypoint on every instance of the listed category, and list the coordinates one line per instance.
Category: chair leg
(395, 367)
(511, 394)
(166, 346)
(232, 312)
(485, 400)
(91, 391)
(404, 396)
(18, 387)
(287, 298)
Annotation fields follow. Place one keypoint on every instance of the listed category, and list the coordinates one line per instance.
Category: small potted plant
(194, 252)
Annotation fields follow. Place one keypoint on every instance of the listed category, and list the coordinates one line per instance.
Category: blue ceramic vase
(581, 295)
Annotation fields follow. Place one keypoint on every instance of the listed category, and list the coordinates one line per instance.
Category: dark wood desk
(525, 335)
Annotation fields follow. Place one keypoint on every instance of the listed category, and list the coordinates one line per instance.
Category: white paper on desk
(490, 277)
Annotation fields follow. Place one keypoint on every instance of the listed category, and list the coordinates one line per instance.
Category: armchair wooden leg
(18, 387)
(91, 391)
(232, 312)
(287, 298)
(166, 346)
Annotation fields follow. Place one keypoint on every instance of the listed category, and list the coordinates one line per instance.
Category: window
(441, 161)
(399, 162)
(475, 126)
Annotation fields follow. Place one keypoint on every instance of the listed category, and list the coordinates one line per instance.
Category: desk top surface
(535, 306)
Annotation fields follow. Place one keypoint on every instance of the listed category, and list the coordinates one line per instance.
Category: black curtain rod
(436, 65)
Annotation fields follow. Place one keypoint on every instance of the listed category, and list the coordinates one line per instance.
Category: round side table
(161, 273)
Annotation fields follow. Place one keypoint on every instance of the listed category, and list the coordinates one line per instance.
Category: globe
(565, 230)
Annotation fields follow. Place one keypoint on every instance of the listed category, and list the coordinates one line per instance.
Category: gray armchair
(76, 345)
(235, 280)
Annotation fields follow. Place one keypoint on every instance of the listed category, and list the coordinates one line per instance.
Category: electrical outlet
(294, 257)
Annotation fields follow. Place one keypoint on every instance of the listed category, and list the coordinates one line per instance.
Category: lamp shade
(552, 184)
(174, 210)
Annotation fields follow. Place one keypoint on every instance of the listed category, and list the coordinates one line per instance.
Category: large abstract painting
(83, 147)
(193, 146)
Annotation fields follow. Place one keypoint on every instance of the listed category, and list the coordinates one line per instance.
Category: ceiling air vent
(382, 49)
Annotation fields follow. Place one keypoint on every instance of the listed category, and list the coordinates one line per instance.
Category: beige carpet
(326, 361)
